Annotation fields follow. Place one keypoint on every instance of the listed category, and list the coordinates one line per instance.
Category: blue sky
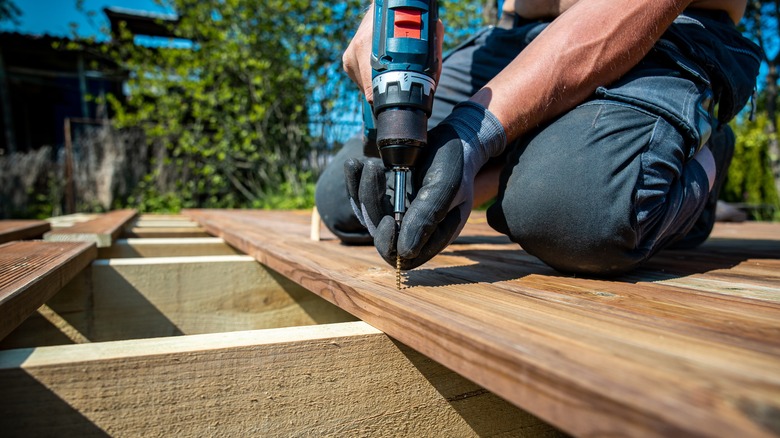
(53, 17)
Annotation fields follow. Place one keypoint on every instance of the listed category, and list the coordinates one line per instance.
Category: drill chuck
(401, 133)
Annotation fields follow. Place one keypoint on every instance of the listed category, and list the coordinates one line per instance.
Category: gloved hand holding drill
(457, 149)
(602, 103)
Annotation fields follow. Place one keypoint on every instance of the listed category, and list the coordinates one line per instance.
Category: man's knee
(575, 242)
(567, 196)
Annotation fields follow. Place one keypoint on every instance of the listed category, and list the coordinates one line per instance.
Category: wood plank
(634, 355)
(167, 247)
(22, 229)
(166, 232)
(747, 230)
(152, 297)
(332, 380)
(163, 216)
(32, 272)
(163, 223)
(103, 230)
(158, 226)
(69, 220)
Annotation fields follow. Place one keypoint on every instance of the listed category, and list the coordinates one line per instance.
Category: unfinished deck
(687, 345)
(184, 336)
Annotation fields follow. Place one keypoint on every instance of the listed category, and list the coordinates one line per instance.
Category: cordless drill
(403, 63)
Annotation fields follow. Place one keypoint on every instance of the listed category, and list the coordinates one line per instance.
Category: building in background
(43, 81)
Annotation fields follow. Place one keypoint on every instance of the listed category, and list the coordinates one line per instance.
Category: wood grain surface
(22, 229)
(687, 345)
(102, 230)
(32, 272)
(332, 380)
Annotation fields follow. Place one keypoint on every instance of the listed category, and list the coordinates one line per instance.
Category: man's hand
(458, 147)
(357, 57)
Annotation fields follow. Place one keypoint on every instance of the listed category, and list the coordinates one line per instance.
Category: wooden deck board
(103, 230)
(11, 230)
(689, 344)
(32, 272)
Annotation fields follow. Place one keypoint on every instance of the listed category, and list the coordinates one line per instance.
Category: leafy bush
(231, 105)
(750, 181)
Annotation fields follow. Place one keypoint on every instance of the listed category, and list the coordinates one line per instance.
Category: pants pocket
(673, 89)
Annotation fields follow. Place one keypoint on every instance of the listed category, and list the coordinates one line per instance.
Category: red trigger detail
(408, 23)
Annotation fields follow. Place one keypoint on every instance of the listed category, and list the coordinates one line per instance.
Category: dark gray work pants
(598, 190)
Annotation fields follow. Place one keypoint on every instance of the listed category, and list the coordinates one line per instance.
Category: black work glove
(457, 148)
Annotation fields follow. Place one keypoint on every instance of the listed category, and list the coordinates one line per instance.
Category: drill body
(403, 63)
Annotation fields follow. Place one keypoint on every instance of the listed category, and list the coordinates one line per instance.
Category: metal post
(82, 86)
(70, 201)
(5, 104)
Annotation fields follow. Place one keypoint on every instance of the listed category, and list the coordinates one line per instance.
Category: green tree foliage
(750, 179)
(461, 19)
(232, 108)
(762, 24)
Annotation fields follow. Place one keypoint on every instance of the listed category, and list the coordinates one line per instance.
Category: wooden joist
(151, 226)
(11, 230)
(103, 230)
(137, 298)
(166, 247)
(166, 232)
(32, 272)
(688, 345)
(331, 380)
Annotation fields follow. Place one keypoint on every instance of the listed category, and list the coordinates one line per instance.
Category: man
(599, 116)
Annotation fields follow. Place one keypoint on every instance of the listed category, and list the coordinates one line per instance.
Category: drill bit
(399, 208)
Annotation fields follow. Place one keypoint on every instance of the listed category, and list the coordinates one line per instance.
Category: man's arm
(534, 9)
(593, 43)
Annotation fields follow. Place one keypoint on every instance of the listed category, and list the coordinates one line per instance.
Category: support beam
(167, 247)
(166, 232)
(147, 222)
(153, 297)
(332, 380)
